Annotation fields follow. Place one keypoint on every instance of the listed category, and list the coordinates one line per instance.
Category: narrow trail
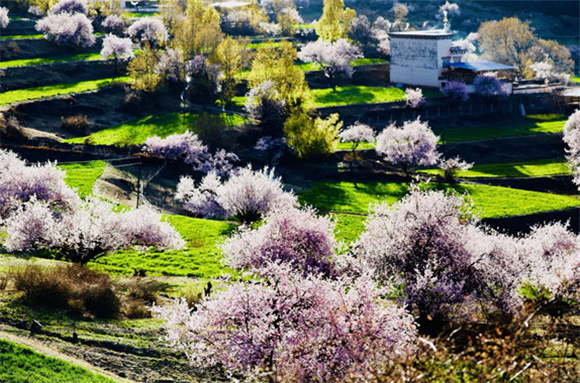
(18, 336)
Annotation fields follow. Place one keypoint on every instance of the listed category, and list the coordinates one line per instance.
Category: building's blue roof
(480, 66)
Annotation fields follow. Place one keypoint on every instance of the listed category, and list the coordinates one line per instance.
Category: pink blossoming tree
(288, 328)
(21, 182)
(67, 29)
(247, 195)
(291, 236)
(87, 233)
(413, 144)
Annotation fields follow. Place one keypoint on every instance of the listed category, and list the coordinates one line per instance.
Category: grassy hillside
(23, 365)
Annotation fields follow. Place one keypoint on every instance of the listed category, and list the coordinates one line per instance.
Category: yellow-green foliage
(310, 136)
(277, 64)
(335, 20)
(142, 71)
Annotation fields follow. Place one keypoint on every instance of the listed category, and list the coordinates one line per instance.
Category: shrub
(489, 88)
(72, 287)
(78, 123)
(10, 127)
(451, 166)
(67, 29)
(456, 92)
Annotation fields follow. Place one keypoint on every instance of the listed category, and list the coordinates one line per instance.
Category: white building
(417, 57)
(428, 58)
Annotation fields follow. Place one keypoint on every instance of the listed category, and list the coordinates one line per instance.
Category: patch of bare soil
(508, 149)
(20, 27)
(34, 48)
(103, 107)
(57, 73)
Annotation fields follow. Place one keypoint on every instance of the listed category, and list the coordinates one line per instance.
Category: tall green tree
(277, 64)
(199, 31)
(231, 55)
(335, 20)
(309, 136)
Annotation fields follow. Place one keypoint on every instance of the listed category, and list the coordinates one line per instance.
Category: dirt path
(18, 336)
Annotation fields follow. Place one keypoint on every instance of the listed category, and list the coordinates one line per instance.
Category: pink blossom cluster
(357, 133)
(117, 47)
(150, 29)
(4, 20)
(67, 29)
(335, 58)
(420, 242)
(70, 6)
(20, 183)
(114, 24)
(413, 144)
(88, 232)
(171, 65)
(572, 139)
(246, 195)
(455, 92)
(289, 328)
(296, 237)
(489, 88)
(414, 97)
(189, 148)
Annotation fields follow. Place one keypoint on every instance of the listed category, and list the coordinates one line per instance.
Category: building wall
(418, 61)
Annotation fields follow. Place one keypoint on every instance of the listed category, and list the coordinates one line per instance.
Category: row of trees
(40, 212)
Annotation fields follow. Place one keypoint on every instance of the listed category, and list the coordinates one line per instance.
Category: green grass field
(200, 259)
(356, 94)
(20, 364)
(348, 146)
(135, 132)
(51, 60)
(349, 227)
(358, 62)
(83, 176)
(489, 201)
(537, 124)
(540, 168)
(55, 90)
(262, 44)
(129, 15)
(21, 37)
